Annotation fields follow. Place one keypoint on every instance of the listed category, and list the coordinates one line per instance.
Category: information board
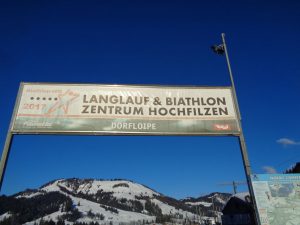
(278, 198)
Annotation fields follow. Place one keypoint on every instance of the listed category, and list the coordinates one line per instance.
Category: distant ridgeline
(294, 169)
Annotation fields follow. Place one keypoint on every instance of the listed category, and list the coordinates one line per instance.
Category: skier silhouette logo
(64, 101)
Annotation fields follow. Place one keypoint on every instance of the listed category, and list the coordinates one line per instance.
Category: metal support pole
(9, 138)
(234, 187)
(5, 155)
(241, 137)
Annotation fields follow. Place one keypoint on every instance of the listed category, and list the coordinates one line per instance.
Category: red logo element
(64, 101)
(222, 127)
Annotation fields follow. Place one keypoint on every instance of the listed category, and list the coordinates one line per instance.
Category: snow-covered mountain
(102, 201)
(209, 205)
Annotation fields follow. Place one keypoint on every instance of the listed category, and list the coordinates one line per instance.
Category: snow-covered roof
(243, 196)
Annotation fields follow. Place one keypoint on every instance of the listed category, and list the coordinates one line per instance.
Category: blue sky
(154, 42)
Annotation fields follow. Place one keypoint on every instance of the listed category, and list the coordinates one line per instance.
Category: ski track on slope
(205, 204)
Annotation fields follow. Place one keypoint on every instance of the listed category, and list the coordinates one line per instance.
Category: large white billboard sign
(125, 109)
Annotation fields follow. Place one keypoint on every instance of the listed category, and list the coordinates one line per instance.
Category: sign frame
(124, 133)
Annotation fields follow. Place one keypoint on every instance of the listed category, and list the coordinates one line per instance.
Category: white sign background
(65, 107)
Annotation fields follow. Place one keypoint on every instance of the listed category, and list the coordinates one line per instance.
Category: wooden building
(238, 210)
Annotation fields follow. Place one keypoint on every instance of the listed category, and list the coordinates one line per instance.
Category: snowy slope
(119, 188)
(108, 201)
